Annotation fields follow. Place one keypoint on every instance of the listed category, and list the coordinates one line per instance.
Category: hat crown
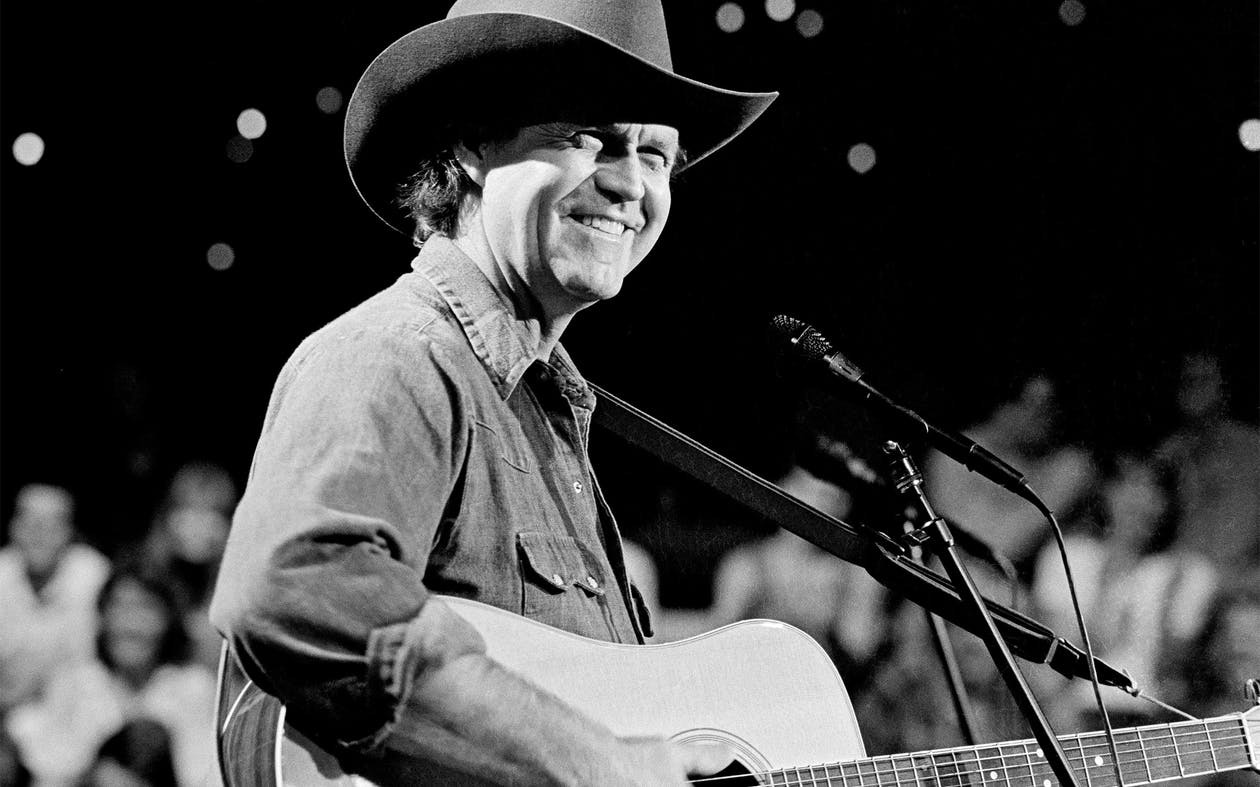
(637, 26)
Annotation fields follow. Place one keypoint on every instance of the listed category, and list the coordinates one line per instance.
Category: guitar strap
(882, 557)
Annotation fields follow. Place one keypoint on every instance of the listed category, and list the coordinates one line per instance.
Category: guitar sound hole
(738, 774)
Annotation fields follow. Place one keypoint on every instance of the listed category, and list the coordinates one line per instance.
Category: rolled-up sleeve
(321, 589)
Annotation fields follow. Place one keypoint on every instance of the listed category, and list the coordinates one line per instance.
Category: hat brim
(515, 69)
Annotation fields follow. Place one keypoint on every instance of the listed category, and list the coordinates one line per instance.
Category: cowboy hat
(519, 62)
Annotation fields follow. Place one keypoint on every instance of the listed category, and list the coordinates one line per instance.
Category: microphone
(816, 351)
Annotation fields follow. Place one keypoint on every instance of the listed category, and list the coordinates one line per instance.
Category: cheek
(656, 205)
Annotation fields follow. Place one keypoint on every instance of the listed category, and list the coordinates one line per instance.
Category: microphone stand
(949, 663)
(936, 537)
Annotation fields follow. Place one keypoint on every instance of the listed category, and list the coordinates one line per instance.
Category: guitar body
(764, 688)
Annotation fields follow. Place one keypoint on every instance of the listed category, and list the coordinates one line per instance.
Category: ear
(473, 161)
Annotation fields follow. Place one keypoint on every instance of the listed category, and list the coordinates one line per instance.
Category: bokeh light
(251, 123)
(862, 158)
(220, 256)
(780, 10)
(809, 23)
(239, 149)
(1249, 133)
(329, 100)
(28, 148)
(730, 17)
(1072, 12)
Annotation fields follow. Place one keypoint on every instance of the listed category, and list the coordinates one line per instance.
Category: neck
(546, 324)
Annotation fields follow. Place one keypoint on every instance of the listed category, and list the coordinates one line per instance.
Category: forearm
(467, 719)
(474, 717)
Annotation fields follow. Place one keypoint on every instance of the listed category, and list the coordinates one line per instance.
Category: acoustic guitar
(766, 690)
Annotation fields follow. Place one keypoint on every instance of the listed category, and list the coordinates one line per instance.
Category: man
(48, 584)
(434, 439)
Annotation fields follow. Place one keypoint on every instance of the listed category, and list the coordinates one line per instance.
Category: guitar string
(1144, 745)
(1037, 768)
(932, 774)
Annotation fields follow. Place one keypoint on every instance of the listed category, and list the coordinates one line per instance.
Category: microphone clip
(908, 479)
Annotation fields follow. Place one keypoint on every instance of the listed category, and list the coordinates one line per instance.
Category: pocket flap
(556, 561)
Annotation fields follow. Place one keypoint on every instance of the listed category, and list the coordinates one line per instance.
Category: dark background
(1071, 198)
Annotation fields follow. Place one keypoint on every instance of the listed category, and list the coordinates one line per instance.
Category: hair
(175, 645)
(437, 195)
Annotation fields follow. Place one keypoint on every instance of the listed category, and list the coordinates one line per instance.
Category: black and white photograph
(630, 392)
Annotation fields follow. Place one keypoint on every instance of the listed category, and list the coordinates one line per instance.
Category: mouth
(604, 225)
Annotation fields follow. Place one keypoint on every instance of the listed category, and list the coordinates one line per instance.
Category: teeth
(603, 224)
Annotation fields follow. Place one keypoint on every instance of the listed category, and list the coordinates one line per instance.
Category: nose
(622, 176)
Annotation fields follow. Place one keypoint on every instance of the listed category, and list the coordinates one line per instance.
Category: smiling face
(566, 211)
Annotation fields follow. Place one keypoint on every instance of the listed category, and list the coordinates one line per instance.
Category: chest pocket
(561, 585)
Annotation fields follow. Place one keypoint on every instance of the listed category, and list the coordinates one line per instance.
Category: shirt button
(590, 581)
(557, 579)
(577, 487)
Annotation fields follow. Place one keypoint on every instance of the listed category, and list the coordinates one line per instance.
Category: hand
(652, 761)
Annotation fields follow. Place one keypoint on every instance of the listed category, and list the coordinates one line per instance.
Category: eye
(657, 160)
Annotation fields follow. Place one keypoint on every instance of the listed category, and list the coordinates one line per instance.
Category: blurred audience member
(138, 755)
(191, 529)
(12, 772)
(1216, 460)
(141, 672)
(48, 589)
(1025, 432)
(1146, 608)
(186, 544)
(784, 577)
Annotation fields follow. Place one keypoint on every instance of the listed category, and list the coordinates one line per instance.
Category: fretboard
(1154, 753)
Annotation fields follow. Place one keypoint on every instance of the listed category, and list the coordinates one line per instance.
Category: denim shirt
(414, 446)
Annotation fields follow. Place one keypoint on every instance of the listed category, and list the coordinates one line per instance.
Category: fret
(1081, 755)
(813, 777)
(1036, 764)
(1167, 759)
(1211, 749)
(935, 759)
(1231, 751)
(1194, 750)
(867, 773)
(972, 772)
(1176, 752)
(1018, 765)
(1133, 766)
(905, 765)
(850, 775)
(886, 772)
(1096, 760)
(956, 769)
(778, 777)
(925, 771)
(992, 766)
(834, 774)
(1145, 758)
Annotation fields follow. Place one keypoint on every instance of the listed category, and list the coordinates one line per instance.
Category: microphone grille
(808, 342)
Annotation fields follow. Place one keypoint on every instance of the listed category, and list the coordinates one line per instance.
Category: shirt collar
(506, 345)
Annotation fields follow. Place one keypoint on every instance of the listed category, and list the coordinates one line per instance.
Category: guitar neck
(1154, 753)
